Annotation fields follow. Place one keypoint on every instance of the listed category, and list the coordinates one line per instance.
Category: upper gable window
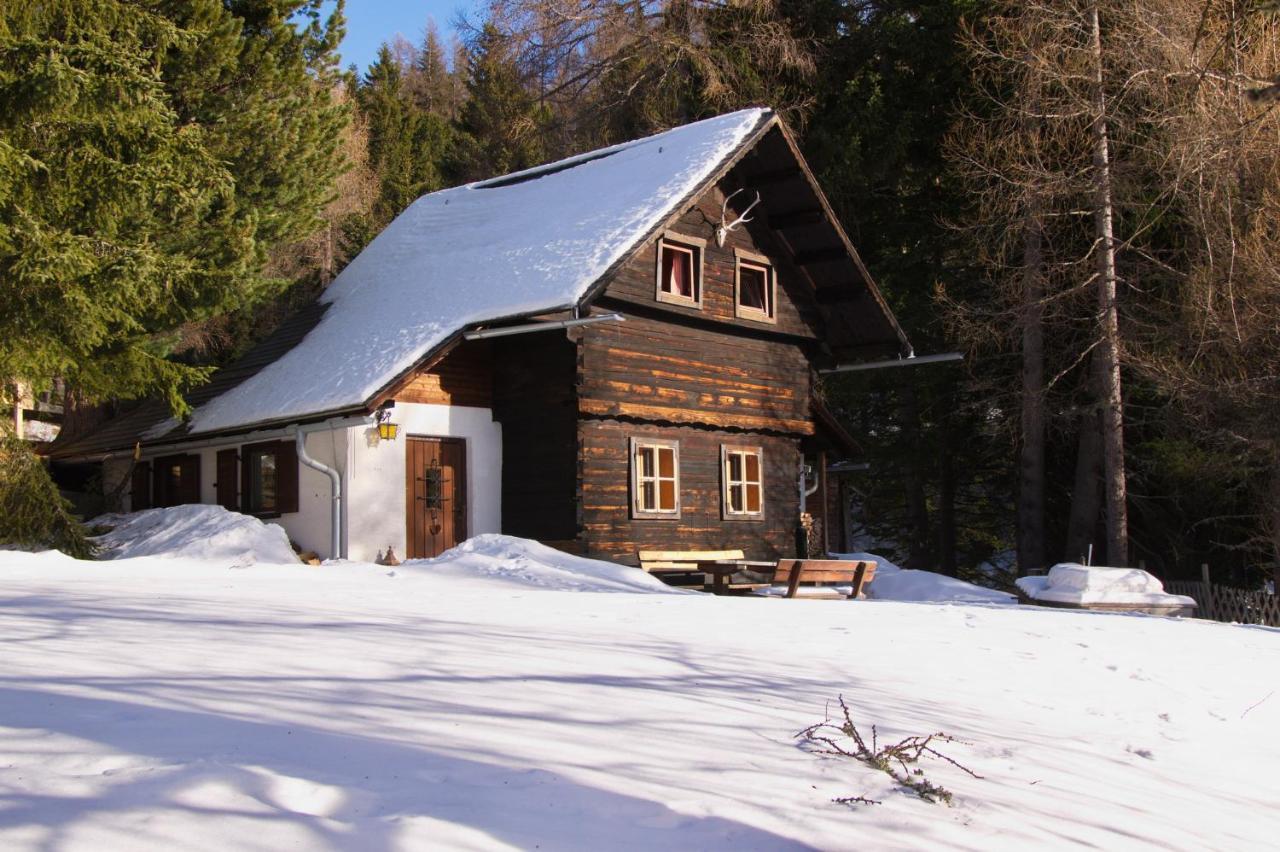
(755, 287)
(679, 270)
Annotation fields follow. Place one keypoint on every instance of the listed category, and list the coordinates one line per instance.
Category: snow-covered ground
(892, 583)
(510, 697)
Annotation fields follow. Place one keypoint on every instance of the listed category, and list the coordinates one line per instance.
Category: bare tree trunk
(1109, 348)
(916, 504)
(326, 263)
(947, 499)
(17, 409)
(1272, 524)
(1031, 479)
(1086, 496)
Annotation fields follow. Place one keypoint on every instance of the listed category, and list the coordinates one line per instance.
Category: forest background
(1080, 196)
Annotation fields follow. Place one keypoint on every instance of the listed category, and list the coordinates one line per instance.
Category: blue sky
(371, 22)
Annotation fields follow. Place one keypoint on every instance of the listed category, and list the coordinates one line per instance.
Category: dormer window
(755, 287)
(679, 272)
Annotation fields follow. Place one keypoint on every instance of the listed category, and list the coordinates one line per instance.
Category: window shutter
(287, 473)
(228, 479)
(189, 480)
(140, 487)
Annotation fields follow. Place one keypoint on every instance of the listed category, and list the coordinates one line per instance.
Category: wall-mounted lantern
(386, 429)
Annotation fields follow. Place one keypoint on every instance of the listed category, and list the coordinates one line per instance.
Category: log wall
(463, 377)
(533, 399)
(608, 530)
(703, 377)
(659, 371)
(796, 313)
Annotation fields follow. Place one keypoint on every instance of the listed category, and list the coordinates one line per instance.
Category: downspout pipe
(335, 478)
(806, 490)
(802, 534)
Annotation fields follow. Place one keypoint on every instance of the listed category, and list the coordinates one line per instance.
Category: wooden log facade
(703, 378)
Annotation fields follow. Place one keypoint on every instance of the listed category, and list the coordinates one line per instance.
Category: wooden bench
(793, 572)
(688, 567)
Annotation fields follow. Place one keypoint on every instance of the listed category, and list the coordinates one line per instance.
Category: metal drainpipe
(335, 478)
(804, 491)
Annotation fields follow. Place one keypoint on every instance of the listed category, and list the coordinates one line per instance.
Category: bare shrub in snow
(900, 761)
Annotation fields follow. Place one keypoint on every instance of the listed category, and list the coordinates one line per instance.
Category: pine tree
(148, 162)
(500, 122)
(440, 91)
(408, 146)
(150, 157)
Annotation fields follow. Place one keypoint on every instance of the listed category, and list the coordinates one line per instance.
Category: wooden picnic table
(722, 569)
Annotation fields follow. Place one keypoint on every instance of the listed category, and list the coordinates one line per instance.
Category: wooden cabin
(615, 351)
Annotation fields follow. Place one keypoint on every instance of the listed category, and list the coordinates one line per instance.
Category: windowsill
(682, 301)
(655, 516)
(753, 315)
(748, 518)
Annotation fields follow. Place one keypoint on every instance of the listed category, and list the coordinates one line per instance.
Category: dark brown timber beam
(804, 258)
(840, 294)
(773, 176)
(812, 216)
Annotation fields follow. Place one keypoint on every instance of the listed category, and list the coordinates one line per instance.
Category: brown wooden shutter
(228, 479)
(189, 480)
(140, 487)
(287, 477)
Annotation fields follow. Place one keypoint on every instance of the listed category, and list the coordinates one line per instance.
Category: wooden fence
(1223, 603)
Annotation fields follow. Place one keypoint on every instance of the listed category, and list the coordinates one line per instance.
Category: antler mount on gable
(723, 227)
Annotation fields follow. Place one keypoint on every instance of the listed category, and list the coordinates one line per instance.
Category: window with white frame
(655, 478)
(679, 270)
(742, 482)
(755, 288)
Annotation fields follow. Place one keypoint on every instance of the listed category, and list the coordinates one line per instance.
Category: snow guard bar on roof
(550, 325)
(911, 360)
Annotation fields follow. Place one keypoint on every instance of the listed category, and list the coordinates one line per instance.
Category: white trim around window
(678, 266)
(756, 298)
(741, 483)
(655, 478)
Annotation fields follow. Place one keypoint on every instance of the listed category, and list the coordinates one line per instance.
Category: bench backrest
(795, 571)
(682, 560)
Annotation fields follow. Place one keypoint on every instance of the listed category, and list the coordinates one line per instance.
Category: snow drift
(213, 534)
(893, 583)
(194, 531)
(523, 562)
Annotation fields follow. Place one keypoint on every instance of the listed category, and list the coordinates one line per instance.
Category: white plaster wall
(116, 474)
(309, 526)
(375, 481)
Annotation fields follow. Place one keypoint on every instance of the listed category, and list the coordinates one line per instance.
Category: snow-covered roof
(525, 243)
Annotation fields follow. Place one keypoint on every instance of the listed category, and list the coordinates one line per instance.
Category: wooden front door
(435, 494)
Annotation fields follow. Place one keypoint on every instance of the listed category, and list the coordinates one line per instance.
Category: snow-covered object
(483, 251)
(195, 531)
(1081, 585)
(892, 583)
(362, 707)
(883, 565)
(930, 587)
(522, 562)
